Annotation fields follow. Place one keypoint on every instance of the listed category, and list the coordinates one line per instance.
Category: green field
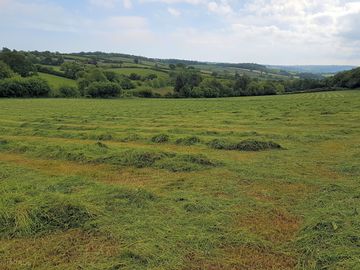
(152, 184)
(55, 81)
(140, 71)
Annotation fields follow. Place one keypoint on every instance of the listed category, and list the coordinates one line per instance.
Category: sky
(283, 32)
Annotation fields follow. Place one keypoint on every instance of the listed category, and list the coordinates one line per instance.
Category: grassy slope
(140, 71)
(56, 81)
(68, 202)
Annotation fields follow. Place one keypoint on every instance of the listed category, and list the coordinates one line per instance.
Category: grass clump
(47, 214)
(136, 158)
(188, 141)
(3, 142)
(101, 145)
(254, 145)
(246, 145)
(131, 138)
(160, 138)
(186, 163)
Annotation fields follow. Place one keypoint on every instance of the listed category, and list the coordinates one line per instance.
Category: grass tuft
(188, 140)
(246, 145)
(160, 138)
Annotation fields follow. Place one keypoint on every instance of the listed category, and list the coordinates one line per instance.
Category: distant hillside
(317, 69)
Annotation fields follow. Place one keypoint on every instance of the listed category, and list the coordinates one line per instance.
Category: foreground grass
(167, 184)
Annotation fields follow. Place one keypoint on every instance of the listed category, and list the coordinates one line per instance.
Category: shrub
(126, 83)
(135, 77)
(103, 90)
(161, 138)
(68, 91)
(24, 87)
(145, 93)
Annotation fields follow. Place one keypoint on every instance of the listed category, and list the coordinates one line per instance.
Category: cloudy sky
(261, 31)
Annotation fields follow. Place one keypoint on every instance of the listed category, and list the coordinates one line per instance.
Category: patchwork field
(235, 183)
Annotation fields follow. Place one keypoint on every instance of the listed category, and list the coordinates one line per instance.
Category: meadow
(235, 183)
(56, 82)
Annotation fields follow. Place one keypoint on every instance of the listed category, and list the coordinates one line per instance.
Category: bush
(103, 90)
(24, 87)
(126, 83)
(68, 91)
(145, 93)
(161, 138)
(135, 77)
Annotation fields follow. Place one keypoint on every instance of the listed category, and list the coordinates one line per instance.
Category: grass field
(154, 184)
(140, 71)
(56, 81)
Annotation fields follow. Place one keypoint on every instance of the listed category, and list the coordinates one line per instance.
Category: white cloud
(174, 12)
(221, 8)
(127, 4)
(264, 31)
(103, 3)
(126, 22)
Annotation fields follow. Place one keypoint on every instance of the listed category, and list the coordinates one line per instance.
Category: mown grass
(161, 184)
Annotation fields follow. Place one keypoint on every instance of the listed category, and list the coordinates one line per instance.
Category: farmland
(235, 183)
(56, 81)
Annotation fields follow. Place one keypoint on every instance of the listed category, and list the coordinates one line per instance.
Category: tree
(211, 88)
(186, 80)
(5, 71)
(111, 76)
(71, 69)
(240, 85)
(18, 62)
(95, 75)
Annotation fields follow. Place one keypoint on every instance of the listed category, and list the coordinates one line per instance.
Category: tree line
(18, 79)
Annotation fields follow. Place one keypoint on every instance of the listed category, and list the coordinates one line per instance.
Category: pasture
(56, 82)
(140, 71)
(181, 184)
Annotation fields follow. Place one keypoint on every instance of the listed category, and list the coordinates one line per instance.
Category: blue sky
(261, 31)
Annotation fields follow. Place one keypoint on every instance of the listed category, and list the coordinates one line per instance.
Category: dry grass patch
(72, 249)
(275, 225)
(243, 258)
